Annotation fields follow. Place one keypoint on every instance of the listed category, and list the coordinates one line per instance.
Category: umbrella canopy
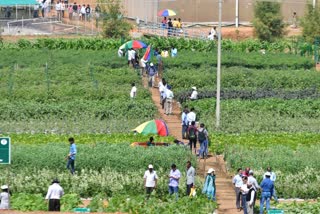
(135, 44)
(153, 127)
(167, 12)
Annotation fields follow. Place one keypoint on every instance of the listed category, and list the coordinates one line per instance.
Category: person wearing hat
(267, 191)
(169, 101)
(4, 198)
(209, 187)
(151, 74)
(194, 94)
(273, 178)
(250, 198)
(150, 180)
(55, 192)
(174, 178)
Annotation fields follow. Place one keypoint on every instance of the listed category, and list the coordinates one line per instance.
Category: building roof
(17, 2)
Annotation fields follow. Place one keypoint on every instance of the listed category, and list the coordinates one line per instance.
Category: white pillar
(218, 68)
(314, 3)
(237, 13)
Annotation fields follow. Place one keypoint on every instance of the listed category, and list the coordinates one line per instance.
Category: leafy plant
(268, 21)
(309, 23)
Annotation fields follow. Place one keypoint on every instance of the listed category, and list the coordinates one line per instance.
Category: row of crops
(269, 115)
(295, 45)
(48, 96)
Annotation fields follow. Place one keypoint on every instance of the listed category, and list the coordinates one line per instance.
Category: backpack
(192, 133)
(201, 135)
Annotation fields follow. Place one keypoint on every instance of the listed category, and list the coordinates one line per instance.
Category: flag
(147, 54)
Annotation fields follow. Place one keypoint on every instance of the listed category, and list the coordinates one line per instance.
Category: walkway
(225, 191)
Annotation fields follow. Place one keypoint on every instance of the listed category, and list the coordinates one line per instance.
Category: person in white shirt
(55, 192)
(133, 92)
(251, 197)
(253, 180)
(244, 191)
(169, 101)
(190, 177)
(4, 198)
(191, 116)
(210, 36)
(83, 12)
(194, 94)
(214, 32)
(150, 180)
(237, 182)
(58, 9)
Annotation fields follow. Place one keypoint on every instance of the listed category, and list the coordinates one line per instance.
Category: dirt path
(225, 191)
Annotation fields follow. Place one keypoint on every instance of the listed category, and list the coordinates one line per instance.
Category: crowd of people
(61, 9)
(247, 187)
(174, 26)
(209, 188)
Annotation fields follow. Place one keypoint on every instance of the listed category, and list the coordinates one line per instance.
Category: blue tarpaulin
(17, 2)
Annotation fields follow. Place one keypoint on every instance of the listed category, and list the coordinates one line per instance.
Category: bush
(310, 23)
(113, 24)
(268, 21)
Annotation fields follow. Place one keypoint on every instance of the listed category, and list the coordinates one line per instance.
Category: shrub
(114, 26)
(310, 23)
(268, 21)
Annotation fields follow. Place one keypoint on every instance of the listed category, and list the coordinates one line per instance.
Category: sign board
(5, 150)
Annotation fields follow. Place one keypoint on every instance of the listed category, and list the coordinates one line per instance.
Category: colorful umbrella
(135, 44)
(153, 127)
(146, 56)
(166, 12)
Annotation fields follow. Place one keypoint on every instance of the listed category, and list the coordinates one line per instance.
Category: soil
(225, 191)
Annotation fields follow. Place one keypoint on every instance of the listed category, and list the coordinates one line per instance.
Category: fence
(33, 20)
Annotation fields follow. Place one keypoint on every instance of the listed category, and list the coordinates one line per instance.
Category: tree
(310, 23)
(268, 21)
(114, 25)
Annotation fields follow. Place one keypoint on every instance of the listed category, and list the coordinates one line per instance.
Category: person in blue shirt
(267, 191)
(150, 142)
(72, 155)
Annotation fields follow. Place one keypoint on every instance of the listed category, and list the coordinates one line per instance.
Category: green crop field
(52, 89)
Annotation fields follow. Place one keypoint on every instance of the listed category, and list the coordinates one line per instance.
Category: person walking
(174, 178)
(251, 197)
(192, 136)
(151, 74)
(55, 192)
(191, 116)
(169, 101)
(133, 92)
(150, 180)
(4, 198)
(190, 177)
(237, 182)
(209, 187)
(267, 187)
(203, 138)
(244, 191)
(72, 155)
(184, 122)
(273, 178)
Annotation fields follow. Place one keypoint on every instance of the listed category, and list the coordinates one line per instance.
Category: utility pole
(219, 69)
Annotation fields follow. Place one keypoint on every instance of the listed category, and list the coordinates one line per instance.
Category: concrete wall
(205, 10)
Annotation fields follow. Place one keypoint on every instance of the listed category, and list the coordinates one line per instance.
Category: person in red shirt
(164, 22)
